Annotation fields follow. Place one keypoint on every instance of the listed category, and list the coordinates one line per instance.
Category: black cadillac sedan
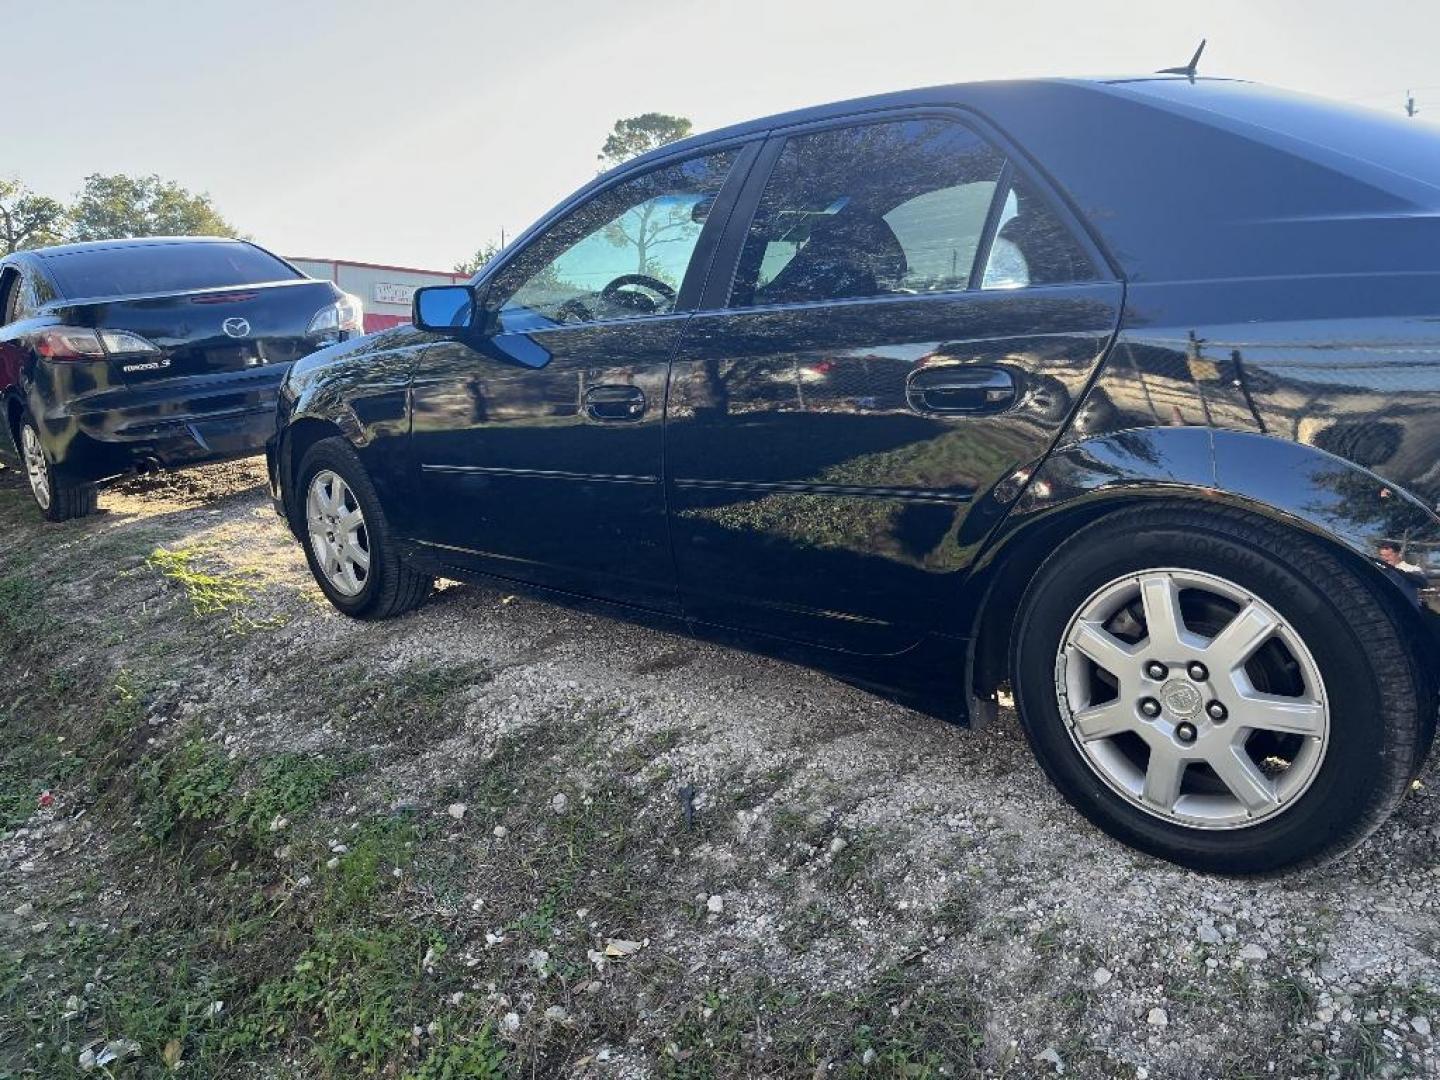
(145, 354)
(1122, 395)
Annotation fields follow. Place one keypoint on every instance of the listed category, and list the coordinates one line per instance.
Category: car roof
(127, 242)
(1189, 179)
(940, 94)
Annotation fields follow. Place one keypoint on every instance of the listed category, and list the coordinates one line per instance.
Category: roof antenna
(1189, 69)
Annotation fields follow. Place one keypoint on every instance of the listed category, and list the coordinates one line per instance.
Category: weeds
(210, 593)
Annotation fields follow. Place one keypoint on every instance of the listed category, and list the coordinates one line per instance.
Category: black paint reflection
(810, 499)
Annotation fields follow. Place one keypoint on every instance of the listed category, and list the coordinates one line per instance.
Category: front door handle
(960, 390)
(611, 403)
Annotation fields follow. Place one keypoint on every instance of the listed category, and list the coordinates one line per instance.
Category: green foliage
(636, 135)
(353, 996)
(28, 220)
(187, 788)
(210, 593)
(290, 785)
(120, 205)
(375, 851)
(17, 799)
(456, 1057)
(483, 255)
(22, 609)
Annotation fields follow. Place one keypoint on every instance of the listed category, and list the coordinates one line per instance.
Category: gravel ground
(790, 832)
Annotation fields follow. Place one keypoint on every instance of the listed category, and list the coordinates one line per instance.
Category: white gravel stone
(1158, 1018)
(456, 810)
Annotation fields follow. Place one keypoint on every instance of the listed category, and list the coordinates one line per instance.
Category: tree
(649, 225)
(28, 220)
(123, 206)
(483, 255)
(638, 135)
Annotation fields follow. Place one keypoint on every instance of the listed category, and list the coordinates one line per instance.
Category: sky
(410, 132)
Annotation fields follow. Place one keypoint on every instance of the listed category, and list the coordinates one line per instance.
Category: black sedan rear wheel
(58, 498)
(347, 539)
(1216, 689)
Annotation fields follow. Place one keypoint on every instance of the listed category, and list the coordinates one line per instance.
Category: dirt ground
(243, 836)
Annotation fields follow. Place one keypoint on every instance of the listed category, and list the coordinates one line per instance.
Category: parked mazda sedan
(1124, 395)
(130, 355)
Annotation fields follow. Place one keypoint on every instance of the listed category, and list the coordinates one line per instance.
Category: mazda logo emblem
(236, 327)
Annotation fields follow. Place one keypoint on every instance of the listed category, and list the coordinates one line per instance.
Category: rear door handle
(613, 403)
(958, 391)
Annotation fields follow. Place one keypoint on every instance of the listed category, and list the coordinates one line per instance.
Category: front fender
(362, 389)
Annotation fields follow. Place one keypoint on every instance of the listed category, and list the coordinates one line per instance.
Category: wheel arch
(299, 436)
(1328, 499)
(14, 408)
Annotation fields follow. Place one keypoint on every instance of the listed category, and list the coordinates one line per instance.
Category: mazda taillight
(344, 316)
(81, 343)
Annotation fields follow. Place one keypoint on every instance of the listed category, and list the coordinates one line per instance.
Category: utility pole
(1410, 109)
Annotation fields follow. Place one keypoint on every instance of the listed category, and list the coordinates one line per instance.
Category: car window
(1032, 246)
(876, 210)
(621, 255)
(8, 278)
(136, 269)
(17, 298)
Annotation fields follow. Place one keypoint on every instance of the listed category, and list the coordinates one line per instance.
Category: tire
(58, 498)
(1334, 674)
(387, 587)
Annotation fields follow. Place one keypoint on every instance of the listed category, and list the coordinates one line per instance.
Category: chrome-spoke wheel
(35, 466)
(338, 535)
(1193, 699)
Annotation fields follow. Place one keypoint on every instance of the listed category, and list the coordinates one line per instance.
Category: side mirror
(445, 309)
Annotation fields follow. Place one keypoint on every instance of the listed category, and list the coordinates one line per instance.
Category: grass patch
(186, 789)
(209, 592)
(352, 996)
(289, 787)
(23, 616)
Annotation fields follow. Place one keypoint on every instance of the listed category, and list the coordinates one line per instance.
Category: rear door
(900, 318)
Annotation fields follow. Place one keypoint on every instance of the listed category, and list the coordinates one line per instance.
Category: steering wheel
(612, 293)
(573, 310)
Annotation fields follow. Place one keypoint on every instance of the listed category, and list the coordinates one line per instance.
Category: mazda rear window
(163, 268)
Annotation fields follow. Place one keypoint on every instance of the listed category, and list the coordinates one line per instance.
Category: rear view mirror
(444, 309)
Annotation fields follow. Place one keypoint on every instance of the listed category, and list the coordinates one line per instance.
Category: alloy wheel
(338, 535)
(35, 466)
(1192, 698)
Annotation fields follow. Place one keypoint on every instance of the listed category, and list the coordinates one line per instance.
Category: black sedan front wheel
(1217, 689)
(347, 540)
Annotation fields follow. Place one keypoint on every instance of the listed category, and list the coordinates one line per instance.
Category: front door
(538, 445)
(909, 322)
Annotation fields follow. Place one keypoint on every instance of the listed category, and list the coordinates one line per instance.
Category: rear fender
(1291, 483)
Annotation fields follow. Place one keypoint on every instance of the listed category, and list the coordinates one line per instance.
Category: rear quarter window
(162, 268)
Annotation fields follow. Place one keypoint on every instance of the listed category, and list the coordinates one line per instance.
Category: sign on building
(390, 292)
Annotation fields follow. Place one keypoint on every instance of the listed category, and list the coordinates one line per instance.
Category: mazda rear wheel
(58, 498)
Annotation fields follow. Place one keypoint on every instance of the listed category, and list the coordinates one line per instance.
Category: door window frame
(747, 149)
(726, 260)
